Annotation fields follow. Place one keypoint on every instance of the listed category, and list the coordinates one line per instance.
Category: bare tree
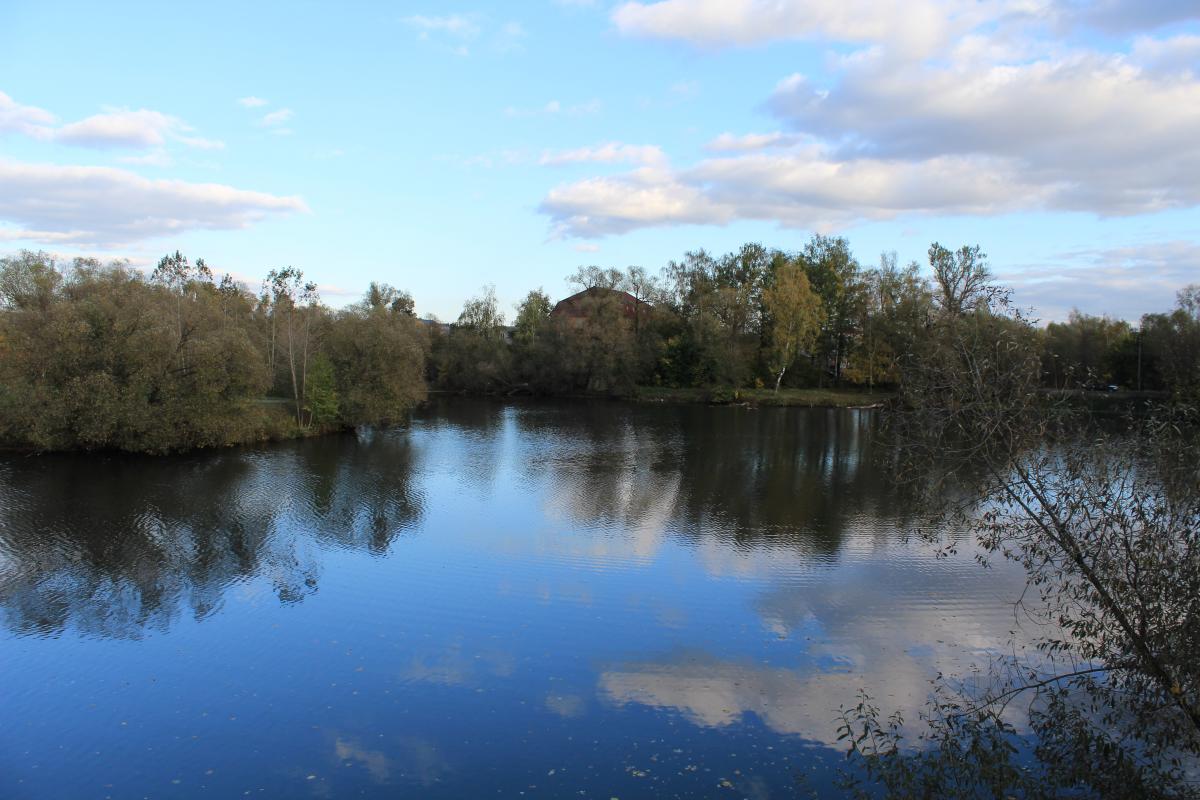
(1107, 527)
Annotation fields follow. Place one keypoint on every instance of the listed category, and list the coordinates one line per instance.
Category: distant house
(578, 307)
(435, 325)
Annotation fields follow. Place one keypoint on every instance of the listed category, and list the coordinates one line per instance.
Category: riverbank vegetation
(730, 326)
(106, 356)
(103, 356)
(1105, 521)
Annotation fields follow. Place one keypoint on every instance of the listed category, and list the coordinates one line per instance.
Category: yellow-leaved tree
(795, 313)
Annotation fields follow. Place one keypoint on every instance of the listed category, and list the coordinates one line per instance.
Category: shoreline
(785, 398)
(789, 398)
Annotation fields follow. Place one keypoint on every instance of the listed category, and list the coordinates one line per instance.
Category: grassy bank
(809, 398)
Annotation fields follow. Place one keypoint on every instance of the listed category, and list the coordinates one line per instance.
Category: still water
(530, 599)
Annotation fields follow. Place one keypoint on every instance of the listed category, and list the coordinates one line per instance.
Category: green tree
(321, 394)
(1173, 342)
(1083, 351)
(100, 357)
(834, 275)
(962, 278)
(475, 355)
(378, 352)
(796, 314)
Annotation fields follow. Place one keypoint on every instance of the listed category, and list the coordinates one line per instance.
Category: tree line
(105, 356)
(761, 317)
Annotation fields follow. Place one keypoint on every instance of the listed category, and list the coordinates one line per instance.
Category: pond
(504, 599)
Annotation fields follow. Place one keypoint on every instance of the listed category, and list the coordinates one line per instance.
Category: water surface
(560, 600)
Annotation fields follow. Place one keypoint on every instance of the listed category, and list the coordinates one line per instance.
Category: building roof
(576, 306)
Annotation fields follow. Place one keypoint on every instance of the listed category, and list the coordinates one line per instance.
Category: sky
(441, 147)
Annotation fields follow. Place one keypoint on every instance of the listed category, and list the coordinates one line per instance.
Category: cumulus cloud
(1118, 16)
(984, 129)
(1175, 54)
(107, 207)
(644, 198)
(142, 129)
(608, 153)
(22, 119)
(916, 25)
(1100, 133)
(1082, 107)
(910, 26)
(728, 142)
(805, 188)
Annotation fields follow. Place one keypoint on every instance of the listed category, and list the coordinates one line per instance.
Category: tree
(593, 277)
(475, 356)
(378, 351)
(29, 280)
(100, 357)
(321, 395)
(962, 278)
(533, 313)
(796, 314)
(1107, 527)
(1084, 350)
(382, 296)
(895, 311)
(834, 275)
(1173, 342)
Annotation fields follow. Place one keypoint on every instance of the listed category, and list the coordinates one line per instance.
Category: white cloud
(276, 118)
(1119, 16)
(644, 198)
(914, 25)
(24, 120)
(251, 102)
(608, 153)
(1122, 282)
(728, 142)
(587, 247)
(909, 26)
(457, 25)
(1080, 106)
(142, 129)
(1176, 54)
(139, 130)
(980, 131)
(104, 207)
(805, 189)
(1099, 133)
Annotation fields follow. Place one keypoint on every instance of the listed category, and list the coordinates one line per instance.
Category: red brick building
(581, 305)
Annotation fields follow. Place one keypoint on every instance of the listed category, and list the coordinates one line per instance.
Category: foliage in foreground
(1106, 524)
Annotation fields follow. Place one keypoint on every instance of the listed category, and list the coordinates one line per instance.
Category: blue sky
(440, 147)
